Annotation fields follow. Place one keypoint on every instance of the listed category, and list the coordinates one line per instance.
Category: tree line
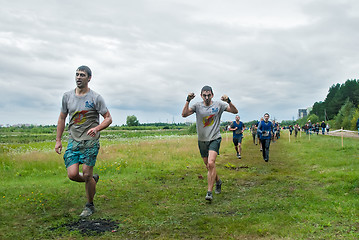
(340, 107)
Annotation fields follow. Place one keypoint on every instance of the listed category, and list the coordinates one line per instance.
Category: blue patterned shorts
(84, 152)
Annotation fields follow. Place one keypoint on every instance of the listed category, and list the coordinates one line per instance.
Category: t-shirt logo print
(89, 104)
(208, 121)
(79, 117)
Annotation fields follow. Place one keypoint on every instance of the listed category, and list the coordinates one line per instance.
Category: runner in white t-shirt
(83, 107)
(208, 119)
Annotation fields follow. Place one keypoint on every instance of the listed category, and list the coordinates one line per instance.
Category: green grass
(153, 187)
(21, 137)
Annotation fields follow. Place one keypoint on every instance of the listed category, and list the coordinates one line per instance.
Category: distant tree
(336, 98)
(132, 121)
(249, 124)
(329, 101)
(287, 123)
(345, 115)
(354, 120)
(319, 110)
(313, 118)
(302, 121)
(350, 90)
(192, 129)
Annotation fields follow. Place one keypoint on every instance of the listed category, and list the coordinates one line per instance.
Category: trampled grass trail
(155, 188)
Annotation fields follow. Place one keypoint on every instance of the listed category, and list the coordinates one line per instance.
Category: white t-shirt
(208, 119)
(83, 113)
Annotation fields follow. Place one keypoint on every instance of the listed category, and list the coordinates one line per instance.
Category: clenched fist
(190, 97)
(225, 98)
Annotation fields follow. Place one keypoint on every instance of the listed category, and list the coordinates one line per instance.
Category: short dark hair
(206, 88)
(85, 69)
(266, 114)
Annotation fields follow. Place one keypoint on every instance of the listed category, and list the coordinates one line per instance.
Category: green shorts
(84, 152)
(205, 146)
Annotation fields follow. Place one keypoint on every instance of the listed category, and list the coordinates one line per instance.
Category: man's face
(207, 97)
(82, 79)
(266, 117)
(237, 118)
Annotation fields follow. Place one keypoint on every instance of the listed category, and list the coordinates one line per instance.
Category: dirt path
(345, 134)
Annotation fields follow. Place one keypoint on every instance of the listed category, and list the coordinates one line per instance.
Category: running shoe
(88, 210)
(218, 187)
(96, 177)
(209, 196)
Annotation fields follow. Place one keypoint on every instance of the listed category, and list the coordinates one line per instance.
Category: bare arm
(60, 131)
(187, 111)
(232, 129)
(104, 124)
(231, 108)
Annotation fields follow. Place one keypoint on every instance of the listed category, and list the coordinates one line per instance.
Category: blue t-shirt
(265, 129)
(237, 133)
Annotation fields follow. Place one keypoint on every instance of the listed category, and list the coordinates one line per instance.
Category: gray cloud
(147, 55)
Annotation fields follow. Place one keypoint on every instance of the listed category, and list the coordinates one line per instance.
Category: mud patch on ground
(90, 227)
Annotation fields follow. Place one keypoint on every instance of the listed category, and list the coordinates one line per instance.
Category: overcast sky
(146, 56)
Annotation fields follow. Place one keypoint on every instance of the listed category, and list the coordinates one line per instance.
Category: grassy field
(154, 187)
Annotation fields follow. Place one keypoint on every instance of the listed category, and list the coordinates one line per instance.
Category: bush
(353, 122)
(313, 118)
(192, 129)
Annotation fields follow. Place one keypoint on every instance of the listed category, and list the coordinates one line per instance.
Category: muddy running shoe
(218, 187)
(96, 177)
(209, 196)
(88, 210)
(239, 156)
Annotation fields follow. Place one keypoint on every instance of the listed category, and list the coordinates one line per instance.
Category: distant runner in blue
(265, 129)
(323, 125)
(237, 127)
